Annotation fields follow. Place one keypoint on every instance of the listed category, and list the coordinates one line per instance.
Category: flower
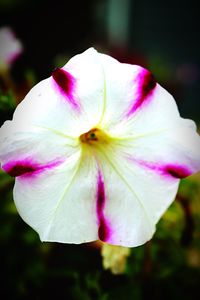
(98, 150)
(10, 48)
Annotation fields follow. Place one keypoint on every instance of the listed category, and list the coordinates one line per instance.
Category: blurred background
(164, 36)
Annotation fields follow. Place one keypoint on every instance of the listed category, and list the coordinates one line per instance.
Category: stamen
(95, 136)
(89, 136)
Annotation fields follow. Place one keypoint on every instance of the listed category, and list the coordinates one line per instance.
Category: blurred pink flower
(10, 48)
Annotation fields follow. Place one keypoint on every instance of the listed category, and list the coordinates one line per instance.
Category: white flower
(10, 48)
(98, 151)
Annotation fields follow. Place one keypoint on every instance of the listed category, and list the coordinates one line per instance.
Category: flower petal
(159, 137)
(175, 151)
(33, 149)
(125, 214)
(147, 171)
(128, 88)
(59, 203)
(72, 95)
(151, 129)
(88, 78)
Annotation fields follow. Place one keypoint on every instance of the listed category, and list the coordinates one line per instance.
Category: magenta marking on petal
(16, 169)
(104, 230)
(172, 170)
(66, 83)
(146, 84)
(26, 167)
(177, 171)
(100, 194)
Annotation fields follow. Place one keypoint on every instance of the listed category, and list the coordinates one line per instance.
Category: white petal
(157, 135)
(152, 150)
(90, 83)
(37, 147)
(127, 217)
(135, 198)
(146, 116)
(126, 87)
(72, 111)
(60, 203)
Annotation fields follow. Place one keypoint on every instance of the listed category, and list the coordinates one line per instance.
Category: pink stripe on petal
(104, 230)
(177, 171)
(26, 167)
(66, 83)
(146, 84)
(171, 170)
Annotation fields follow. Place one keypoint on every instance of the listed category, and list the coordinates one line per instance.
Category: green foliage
(7, 101)
(7, 106)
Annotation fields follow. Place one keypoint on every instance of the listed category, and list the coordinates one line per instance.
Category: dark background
(162, 36)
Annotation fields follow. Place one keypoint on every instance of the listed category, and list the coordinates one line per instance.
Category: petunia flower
(10, 48)
(98, 150)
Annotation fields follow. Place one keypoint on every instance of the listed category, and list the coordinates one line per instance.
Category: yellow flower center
(94, 137)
